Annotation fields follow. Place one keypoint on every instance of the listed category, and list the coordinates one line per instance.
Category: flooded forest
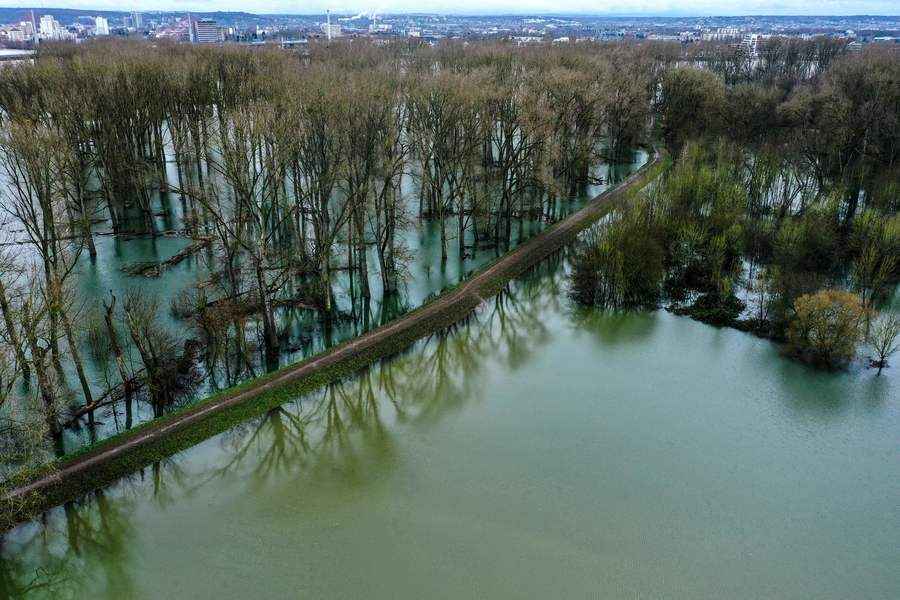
(177, 220)
(694, 397)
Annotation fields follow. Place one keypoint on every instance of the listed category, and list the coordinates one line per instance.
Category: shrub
(97, 337)
(622, 268)
(826, 328)
(188, 302)
(715, 309)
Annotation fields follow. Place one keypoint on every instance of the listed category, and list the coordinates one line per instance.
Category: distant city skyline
(493, 7)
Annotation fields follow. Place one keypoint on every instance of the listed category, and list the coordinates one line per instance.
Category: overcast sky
(630, 7)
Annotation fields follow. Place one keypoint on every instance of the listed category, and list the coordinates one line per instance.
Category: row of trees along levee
(779, 213)
(285, 172)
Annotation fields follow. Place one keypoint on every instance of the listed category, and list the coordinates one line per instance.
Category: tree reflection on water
(346, 430)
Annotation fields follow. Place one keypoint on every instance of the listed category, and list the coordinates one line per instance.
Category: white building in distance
(49, 27)
(331, 31)
(101, 26)
(204, 31)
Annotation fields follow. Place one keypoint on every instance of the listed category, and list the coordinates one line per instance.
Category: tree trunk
(45, 386)
(116, 346)
(11, 332)
(76, 359)
(269, 331)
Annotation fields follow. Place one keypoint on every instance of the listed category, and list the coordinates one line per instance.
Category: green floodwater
(535, 451)
(303, 332)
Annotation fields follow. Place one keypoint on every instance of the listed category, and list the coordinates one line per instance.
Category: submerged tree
(622, 264)
(827, 327)
(884, 337)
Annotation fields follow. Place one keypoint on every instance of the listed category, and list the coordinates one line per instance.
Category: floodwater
(304, 332)
(535, 451)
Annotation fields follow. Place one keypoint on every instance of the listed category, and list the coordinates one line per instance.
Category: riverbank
(106, 461)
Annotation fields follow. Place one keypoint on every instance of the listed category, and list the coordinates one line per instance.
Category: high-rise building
(101, 26)
(204, 31)
(137, 19)
(49, 27)
(331, 31)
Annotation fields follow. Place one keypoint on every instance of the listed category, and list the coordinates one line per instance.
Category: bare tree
(32, 159)
(884, 337)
